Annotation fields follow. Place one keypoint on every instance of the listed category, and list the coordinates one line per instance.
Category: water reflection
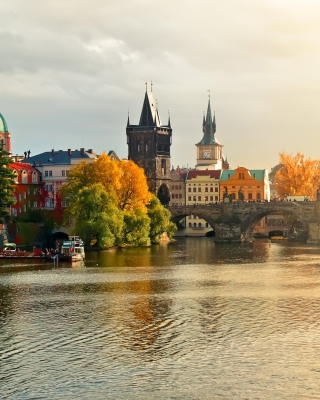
(186, 320)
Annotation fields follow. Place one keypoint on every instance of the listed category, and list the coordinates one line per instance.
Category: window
(49, 188)
(24, 208)
(63, 173)
(190, 224)
(180, 196)
(194, 198)
(199, 198)
(211, 189)
(35, 204)
(211, 198)
(249, 196)
(199, 189)
(258, 196)
(194, 224)
(50, 173)
(67, 172)
(189, 198)
(46, 173)
(24, 177)
(173, 195)
(24, 195)
(216, 198)
(199, 225)
(206, 189)
(241, 175)
(216, 189)
(34, 177)
(205, 198)
(189, 189)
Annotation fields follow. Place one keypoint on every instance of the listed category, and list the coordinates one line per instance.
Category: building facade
(149, 145)
(202, 187)
(54, 167)
(245, 185)
(28, 189)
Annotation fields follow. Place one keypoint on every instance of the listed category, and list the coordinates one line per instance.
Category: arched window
(16, 175)
(24, 176)
(199, 224)
(34, 177)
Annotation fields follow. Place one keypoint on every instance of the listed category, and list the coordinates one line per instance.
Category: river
(186, 320)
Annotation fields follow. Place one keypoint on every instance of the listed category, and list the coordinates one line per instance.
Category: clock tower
(209, 150)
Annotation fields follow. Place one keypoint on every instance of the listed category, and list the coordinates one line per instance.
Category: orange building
(244, 184)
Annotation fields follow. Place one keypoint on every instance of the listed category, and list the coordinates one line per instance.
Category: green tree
(97, 219)
(7, 180)
(136, 228)
(159, 221)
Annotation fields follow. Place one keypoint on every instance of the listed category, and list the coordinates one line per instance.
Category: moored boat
(72, 249)
(10, 250)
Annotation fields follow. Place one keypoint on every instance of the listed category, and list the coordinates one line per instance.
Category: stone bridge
(239, 218)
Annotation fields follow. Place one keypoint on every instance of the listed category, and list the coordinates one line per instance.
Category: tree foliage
(109, 202)
(298, 175)
(7, 180)
(160, 220)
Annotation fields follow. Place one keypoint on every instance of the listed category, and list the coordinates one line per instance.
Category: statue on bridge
(240, 195)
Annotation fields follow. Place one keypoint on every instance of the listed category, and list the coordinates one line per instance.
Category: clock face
(206, 154)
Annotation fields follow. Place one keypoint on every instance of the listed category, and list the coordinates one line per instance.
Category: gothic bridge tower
(149, 147)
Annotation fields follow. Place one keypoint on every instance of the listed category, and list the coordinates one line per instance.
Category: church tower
(149, 147)
(209, 150)
(5, 137)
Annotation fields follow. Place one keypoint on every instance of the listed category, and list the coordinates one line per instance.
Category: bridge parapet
(248, 214)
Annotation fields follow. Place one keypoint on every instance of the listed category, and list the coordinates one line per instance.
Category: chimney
(90, 151)
(82, 151)
(69, 152)
(52, 152)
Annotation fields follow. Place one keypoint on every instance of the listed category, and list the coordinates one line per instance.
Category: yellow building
(244, 184)
(202, 187)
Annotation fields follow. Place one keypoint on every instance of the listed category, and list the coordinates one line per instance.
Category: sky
(71, 70)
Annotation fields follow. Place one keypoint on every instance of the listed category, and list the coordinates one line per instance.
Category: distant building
(202, 187)
(149, 147)
(209, 150)
(244, 184)
(54, 167)
(5, 136)
(28, 189)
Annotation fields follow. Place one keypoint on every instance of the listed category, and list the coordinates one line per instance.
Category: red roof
(214, 174)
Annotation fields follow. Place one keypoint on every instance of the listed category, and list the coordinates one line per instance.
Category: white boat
(72, 249)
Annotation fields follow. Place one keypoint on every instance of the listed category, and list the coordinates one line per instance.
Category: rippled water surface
(188, 320)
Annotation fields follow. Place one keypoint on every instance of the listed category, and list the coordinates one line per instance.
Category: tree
(7, 180)
(133, 192)
(160, 221)
(136, 228)
(298, 175)
(96, 216)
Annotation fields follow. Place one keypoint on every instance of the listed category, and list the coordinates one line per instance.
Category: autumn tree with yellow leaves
(109, 201)
(297, 175)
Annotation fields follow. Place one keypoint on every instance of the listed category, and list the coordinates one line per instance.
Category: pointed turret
(209, 128)
(149, 114)
(128, 122)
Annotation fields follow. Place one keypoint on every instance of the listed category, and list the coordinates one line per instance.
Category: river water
(187, 320)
